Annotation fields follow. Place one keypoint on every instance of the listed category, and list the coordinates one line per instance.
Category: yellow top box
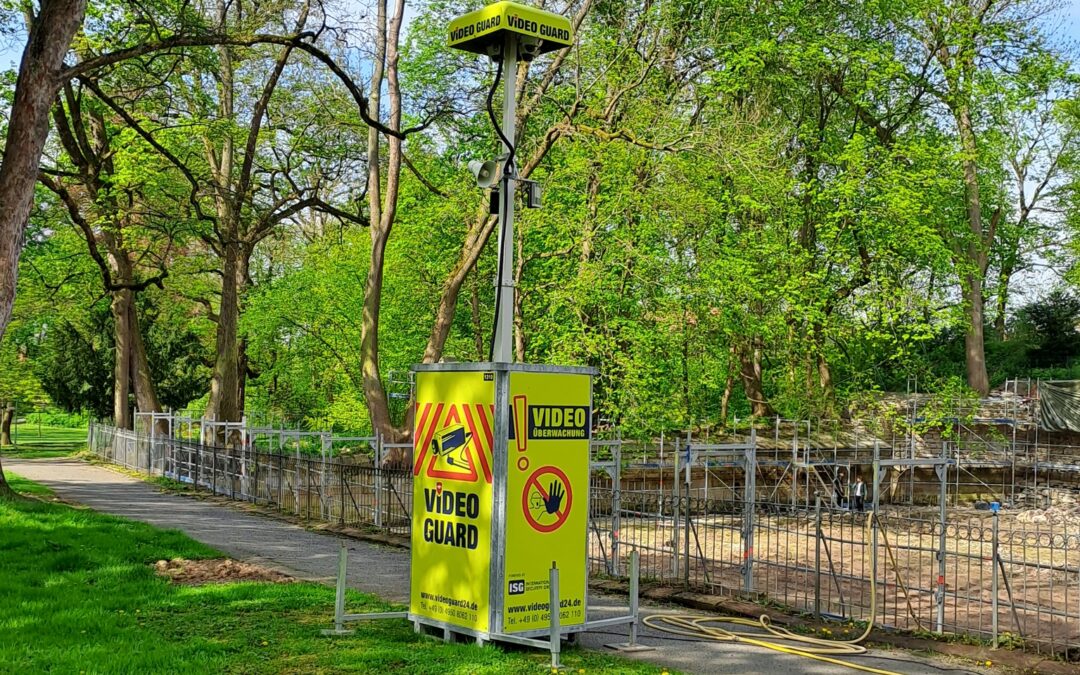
(474, 31)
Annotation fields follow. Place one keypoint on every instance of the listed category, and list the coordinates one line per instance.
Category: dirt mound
(216, 571)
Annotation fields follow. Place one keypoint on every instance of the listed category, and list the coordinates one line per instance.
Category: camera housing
(529, 47)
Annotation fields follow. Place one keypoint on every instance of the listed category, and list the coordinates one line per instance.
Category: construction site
(968, 521)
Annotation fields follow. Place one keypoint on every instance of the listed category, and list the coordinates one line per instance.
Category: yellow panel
(452, 497)
(547, 497)
(475, 30)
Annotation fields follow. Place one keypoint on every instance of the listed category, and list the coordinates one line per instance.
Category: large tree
(41, 74)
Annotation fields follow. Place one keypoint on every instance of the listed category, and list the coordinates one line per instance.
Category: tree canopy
(748, 208)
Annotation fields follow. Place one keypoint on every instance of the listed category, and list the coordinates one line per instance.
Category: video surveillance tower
(508, 32)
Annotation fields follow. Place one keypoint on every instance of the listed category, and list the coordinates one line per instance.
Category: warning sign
(452, 498)
(454, 440)
(548, 467)
(547, 499)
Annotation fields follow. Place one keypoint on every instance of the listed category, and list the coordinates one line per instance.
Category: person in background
(859, 493)
(838, 490)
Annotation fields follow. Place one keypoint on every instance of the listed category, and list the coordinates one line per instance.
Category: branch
(193, 198)
(426, 183)
(91, 241)
(625, 135)
(298, 41)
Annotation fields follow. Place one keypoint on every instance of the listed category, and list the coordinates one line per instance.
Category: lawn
(32, 441)
(79, 595)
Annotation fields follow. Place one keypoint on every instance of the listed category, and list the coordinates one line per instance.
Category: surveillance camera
(484, 172)
(529, 48)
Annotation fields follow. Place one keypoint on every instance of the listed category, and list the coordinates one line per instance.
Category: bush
(59, 418)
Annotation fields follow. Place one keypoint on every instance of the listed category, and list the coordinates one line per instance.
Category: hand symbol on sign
(555, 497)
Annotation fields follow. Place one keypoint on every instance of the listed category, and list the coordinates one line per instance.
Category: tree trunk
(1004, 277)
(121, 312)
(974, 351)
(729, 385)
(750, 359)
(224, 382)
(519, 299)
(444, 315)
(477, 325)
(35, 89)
(5, 424)
(145, 393)
(382, 206)
(974, 342)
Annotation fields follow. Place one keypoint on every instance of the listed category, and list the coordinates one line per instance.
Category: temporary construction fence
(942, 569)
(348, 492)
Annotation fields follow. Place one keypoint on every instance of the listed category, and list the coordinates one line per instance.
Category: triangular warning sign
(450, 443)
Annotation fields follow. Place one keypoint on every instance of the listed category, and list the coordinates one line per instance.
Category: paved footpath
(384, 571)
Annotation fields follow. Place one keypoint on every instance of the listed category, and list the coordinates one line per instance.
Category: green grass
(26, 487)
(32, 441)
(79, 595)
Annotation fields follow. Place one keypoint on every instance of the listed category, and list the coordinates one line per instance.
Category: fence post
(943, 477)
(554, 636)
(341, 490)
(675, 507)
(749, 496)
(377, 474)
(873, 543)
(994, 581)
(686, 528)
(817, 557)
(616, 516)
(635, 571)
(213, 471)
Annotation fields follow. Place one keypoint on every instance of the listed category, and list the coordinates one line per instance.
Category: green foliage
(76, 370)
(58, 418)
(1052, 327)
(738, 201)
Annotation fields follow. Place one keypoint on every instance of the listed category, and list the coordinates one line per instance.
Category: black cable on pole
(504, 194)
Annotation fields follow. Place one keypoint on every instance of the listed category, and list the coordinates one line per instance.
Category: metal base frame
(555, 634)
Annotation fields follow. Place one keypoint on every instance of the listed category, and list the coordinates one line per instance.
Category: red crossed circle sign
(541, 481)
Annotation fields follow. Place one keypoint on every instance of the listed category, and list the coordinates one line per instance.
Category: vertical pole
(994, 582)
(943, 496)
(339, 595)
(554, 636)
(749, 497)
(817, 557)
(150, 451)
(794, 464)
(877, 476)
(377, 473)
(616, 516)
(660, 488)
(675, 504)
(635, 569)
(686, 529)
(502, 350)
(874, 554)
